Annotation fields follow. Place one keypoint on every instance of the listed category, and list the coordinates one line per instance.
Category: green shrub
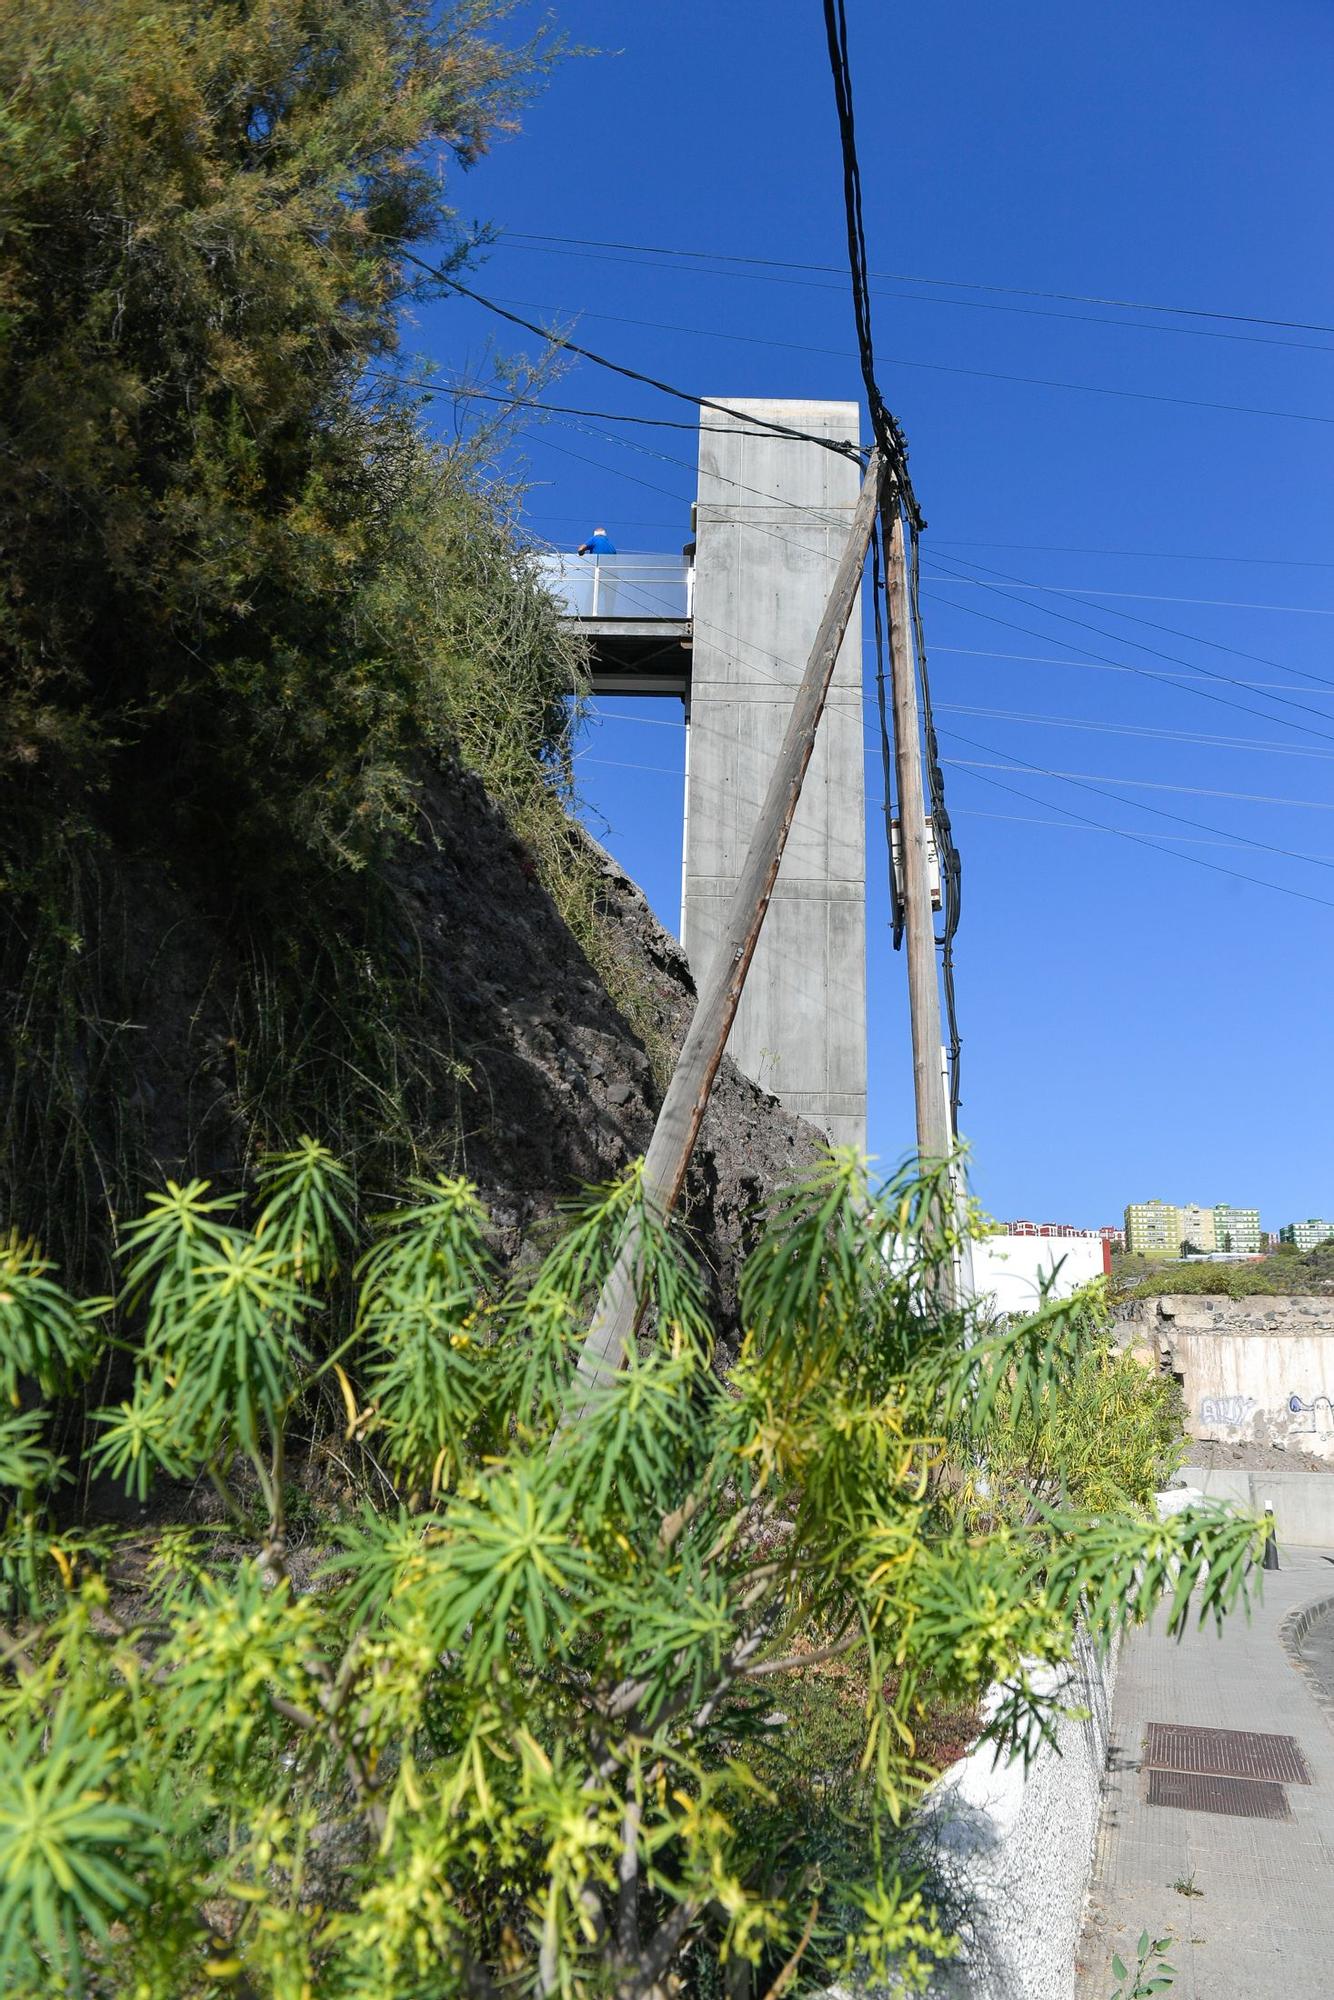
(1111, 1438)
(243, 587)
(522, 1729)
(1312, 1271)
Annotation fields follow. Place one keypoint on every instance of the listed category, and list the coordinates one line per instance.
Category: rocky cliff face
(201, 1031)
(561, 1090)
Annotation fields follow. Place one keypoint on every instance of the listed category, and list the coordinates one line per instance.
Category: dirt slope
(198, 1032)
(562, 1089)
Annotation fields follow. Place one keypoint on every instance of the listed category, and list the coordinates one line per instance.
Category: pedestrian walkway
(1260, 1925)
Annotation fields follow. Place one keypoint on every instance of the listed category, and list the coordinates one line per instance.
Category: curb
(1291, 1633)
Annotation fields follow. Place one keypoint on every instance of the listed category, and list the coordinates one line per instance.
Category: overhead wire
(909, 520)
(1082, 592)
(469, 393)
(891, 360)
(1146, 840)
(1093, 664)
(1279, 692)
(1159, 784)
(1059, 826)
(956, 284)
(1092, 725)
(1147, 673)
(845, 447)
(1149, 624)
(834, 9)
(976, 768)
(1142, 731)
(551, 247)
(733, 639)
(1139, 555)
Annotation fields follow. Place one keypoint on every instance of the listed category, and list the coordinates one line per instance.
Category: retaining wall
(1303, 1502)
(1257, 1370)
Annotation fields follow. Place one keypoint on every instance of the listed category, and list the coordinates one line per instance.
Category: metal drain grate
(1225, 1753)
(1197, 1791)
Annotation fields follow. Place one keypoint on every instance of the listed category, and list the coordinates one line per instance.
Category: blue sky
(1135, 1024)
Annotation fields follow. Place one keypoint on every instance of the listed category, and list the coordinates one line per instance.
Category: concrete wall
(1251, 1370)
(772, 521)
(1303, 1502)
(1017, 1848)
(1008, 1270)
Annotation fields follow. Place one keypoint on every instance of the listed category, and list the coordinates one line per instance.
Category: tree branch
(627, 1899)
(784, 1979)
(792, 1661)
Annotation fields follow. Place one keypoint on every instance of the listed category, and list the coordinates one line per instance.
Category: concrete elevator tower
(773, 517)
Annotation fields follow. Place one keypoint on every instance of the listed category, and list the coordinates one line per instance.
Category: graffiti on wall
(1320, 1410)
(1226, 1409)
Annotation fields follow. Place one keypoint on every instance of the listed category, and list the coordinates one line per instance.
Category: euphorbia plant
(518, 1732)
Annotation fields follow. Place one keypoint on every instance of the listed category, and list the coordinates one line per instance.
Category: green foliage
(1111, 1440)
(1150, 1973)
(230, 547)
(1280, 1272)
(43, 1334)
(548, 1722)
(251, 604)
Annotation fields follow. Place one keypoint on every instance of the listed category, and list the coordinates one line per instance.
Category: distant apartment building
(1306, 1235)
(1197, 1226)
(1161, 1228)
(1153, 1228)
(1108, 1233)
(1237, 1230)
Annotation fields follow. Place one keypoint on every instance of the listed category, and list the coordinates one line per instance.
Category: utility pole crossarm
(683, 1107)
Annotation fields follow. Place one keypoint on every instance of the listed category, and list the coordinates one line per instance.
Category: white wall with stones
(1016, 1847)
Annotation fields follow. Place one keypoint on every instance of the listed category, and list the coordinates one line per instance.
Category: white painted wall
(1008, 1270)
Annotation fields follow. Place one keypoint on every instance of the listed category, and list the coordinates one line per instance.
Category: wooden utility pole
(934, 1139)
(618, 1310)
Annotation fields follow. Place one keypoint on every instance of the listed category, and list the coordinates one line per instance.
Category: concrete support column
(773, 518)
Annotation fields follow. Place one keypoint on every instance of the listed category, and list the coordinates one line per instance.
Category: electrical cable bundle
(893, 447)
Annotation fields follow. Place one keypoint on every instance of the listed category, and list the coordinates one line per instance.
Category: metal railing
(630, 587)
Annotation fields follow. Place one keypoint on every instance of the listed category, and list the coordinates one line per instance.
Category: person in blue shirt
(599, 543)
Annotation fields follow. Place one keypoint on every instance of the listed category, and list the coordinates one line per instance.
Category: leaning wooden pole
(618, 1309)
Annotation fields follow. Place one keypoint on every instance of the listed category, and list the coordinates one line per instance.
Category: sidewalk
(1262, 1927)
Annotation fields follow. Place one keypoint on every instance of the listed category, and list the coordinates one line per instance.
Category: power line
(1060, 826)
(1140, 555)
(1149, 624)
(845, 447)
(892, 360)
(910, 920)
(1141, 730)
(956, 284)
(954, 575)
(1090, 778)
(1146, 673)
(1093, 664)
(1084, 591)
(1147, 840)
(1151, 841)
(1094, 726)
(1143, 672)
(558, 409)
(549, 246)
